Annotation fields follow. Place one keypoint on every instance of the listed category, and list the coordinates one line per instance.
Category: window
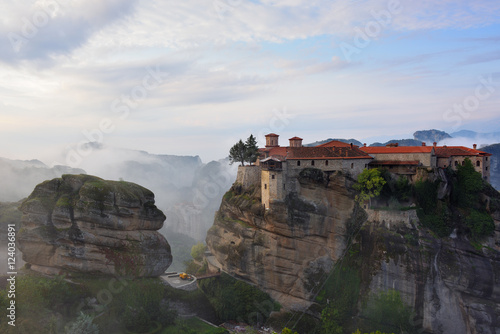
(486, 168)
(444, 166)
(326, 162)
(456, 163)
(486, 158)
(463, 162)
(352, 165)
(312, 162)
(265, 185)
(478, 163)
(272, 177)
(298, 163)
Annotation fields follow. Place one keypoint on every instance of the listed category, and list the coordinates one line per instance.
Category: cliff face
(81, 223)
(288, 251)
(452, 286)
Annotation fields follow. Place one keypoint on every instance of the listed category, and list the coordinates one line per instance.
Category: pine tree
(252, 149)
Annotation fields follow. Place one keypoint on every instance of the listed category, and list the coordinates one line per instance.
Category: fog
(187, 190)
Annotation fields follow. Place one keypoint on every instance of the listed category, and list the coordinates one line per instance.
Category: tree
(238, 153)
(330, 319)
(252, 149)
(198, 250)
(369, 184)
(83, 325)
(469, 184)
(244, 152)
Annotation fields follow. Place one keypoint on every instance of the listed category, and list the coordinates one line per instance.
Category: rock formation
(452, 286)
(84, 224)
(284, 250)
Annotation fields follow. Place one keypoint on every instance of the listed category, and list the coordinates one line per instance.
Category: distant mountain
(401, 142)
(430, 136)
(494, 164)
(347, 141)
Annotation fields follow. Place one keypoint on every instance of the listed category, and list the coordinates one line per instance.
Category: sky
(192, 77)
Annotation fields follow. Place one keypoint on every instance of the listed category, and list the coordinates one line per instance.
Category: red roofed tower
(295, 142)
(272, 140)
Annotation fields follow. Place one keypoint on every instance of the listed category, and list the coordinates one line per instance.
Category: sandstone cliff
(452, 286)
(285, 250)
(81, 223)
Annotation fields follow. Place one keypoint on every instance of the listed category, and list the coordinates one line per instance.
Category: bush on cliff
(236, 300)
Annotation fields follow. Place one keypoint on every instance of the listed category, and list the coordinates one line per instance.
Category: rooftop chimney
(474, 146)
(351, 146)
(272, 140)
(434, 144)
(295, 142)
(423, 143)
(364, 145)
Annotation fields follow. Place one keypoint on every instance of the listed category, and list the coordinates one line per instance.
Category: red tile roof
(449, 151)
(295, 138)
(396, 150)
(296, 153)
(335, 143)
(271, 135)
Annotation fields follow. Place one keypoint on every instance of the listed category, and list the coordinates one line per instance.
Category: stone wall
(351, 166)
(483, 168)
(425, 158)
(248, 176)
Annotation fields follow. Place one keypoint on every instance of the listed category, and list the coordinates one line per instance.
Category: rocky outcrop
(286, 250)
(81, 223)
(451, 284)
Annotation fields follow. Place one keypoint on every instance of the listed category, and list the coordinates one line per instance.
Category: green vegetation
(480, 224)
(468, 185)
(198, 250)
(49, 305)
(387, 312)
(192, 326)
(376, 332)
(83, 325)
(237, 300)
(463, 209)
(244, 152)
(339, 298)
(369, 184)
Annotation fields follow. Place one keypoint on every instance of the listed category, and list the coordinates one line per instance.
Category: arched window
(326, 162)
(312, 162)
(456, 163)
(298, 163)
(478, 163)
(463, 162)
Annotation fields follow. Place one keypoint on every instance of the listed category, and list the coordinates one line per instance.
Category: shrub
(198, 250)
(233, 299)
(387, 312)
(426, 195)
(480, 224)
(83, 325)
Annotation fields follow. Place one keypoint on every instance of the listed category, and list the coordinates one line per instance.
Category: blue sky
(193, 77)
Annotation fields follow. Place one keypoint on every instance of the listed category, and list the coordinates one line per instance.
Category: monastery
(278, 167)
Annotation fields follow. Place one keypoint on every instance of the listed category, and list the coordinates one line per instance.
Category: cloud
(38, 30)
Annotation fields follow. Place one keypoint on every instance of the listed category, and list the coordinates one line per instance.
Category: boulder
(82, 223)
